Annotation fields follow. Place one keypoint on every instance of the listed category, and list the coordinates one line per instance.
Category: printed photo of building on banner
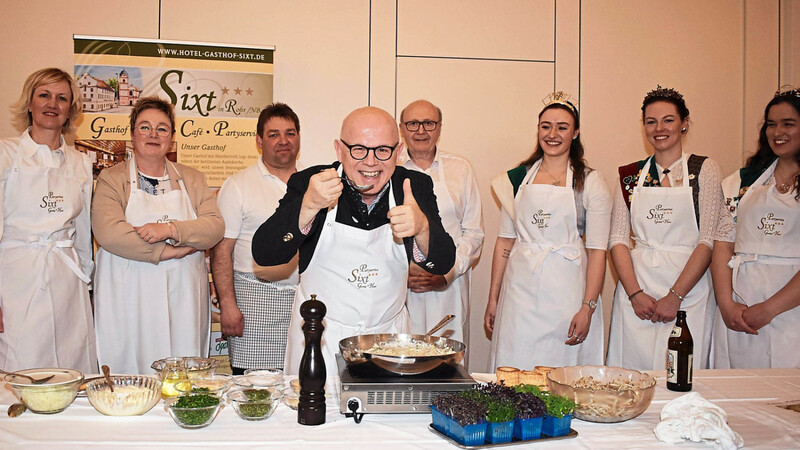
(218, 91)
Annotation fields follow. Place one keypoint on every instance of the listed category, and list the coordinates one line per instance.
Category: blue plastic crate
(468, 435)
(500, 432)
(555, 427)
(440, 420)
(528, 429)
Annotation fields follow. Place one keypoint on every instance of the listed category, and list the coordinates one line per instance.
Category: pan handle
(441, 323)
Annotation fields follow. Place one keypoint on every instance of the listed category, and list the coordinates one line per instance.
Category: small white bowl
(260, 378)
(291, 398)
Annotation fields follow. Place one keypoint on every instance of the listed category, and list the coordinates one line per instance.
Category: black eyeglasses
(428, 125)
(359, 152)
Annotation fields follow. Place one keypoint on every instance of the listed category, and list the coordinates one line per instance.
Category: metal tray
(572, 434)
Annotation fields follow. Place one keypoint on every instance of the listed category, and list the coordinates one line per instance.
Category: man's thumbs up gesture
(407, 220)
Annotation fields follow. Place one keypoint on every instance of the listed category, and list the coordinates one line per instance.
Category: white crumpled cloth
(693, 417)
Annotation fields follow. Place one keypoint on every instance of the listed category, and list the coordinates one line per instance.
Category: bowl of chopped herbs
(253, 403)
(194, 410)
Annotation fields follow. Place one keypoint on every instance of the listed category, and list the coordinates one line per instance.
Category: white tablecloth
(745, 395)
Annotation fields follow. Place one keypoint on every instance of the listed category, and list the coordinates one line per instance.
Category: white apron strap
(570, 252)
(49, 245)
(740, 258)
(643, 173)
(361, 327)
(651, 247)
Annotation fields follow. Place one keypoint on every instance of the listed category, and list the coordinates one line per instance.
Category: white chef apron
(544, 283)
(767, 256)
(362, 277)
(145, 311)
(44, 294)
(665, 230)
(426, 309)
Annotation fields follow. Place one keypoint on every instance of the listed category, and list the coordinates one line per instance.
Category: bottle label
(676, 332)
(672, 367)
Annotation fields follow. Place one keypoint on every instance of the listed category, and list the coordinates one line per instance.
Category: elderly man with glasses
(356, 224)
(430, 296)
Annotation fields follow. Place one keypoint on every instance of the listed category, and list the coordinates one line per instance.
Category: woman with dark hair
(45, 235)
(544, 305)
(670, 201)
(152, 218)
(756, 257)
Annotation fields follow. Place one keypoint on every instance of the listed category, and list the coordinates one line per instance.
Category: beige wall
(486, 65)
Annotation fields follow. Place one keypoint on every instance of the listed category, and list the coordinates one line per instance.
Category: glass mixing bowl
(133, 395)
(612, 394)
(50, 397)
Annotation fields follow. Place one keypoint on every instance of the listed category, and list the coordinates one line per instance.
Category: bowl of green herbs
(254, 404)
(194, 410)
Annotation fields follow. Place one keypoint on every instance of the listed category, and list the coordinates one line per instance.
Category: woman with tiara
(670, 202)
(757, 250)
(544, 305)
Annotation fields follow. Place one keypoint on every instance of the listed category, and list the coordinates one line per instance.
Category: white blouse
(709, 198)
(597, 203)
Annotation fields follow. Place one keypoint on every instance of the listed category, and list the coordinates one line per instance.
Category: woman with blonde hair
(45, 235)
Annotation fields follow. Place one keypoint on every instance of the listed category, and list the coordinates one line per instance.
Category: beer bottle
(679, 356)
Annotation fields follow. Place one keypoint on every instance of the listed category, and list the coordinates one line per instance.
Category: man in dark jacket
(356, 225)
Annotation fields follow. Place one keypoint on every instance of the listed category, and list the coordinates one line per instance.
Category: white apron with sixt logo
(361, 276)
(145, 311)
(665, 230)
(426, 309)
(544, 283)
(767, 256)
(44, 295)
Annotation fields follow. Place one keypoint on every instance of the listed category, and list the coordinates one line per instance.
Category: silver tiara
(787, 90)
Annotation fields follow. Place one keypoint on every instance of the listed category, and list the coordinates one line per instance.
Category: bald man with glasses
(357, 224)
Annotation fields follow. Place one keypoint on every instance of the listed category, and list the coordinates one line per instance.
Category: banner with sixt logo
(218, 92)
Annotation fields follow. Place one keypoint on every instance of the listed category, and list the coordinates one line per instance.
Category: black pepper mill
(311, 408)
